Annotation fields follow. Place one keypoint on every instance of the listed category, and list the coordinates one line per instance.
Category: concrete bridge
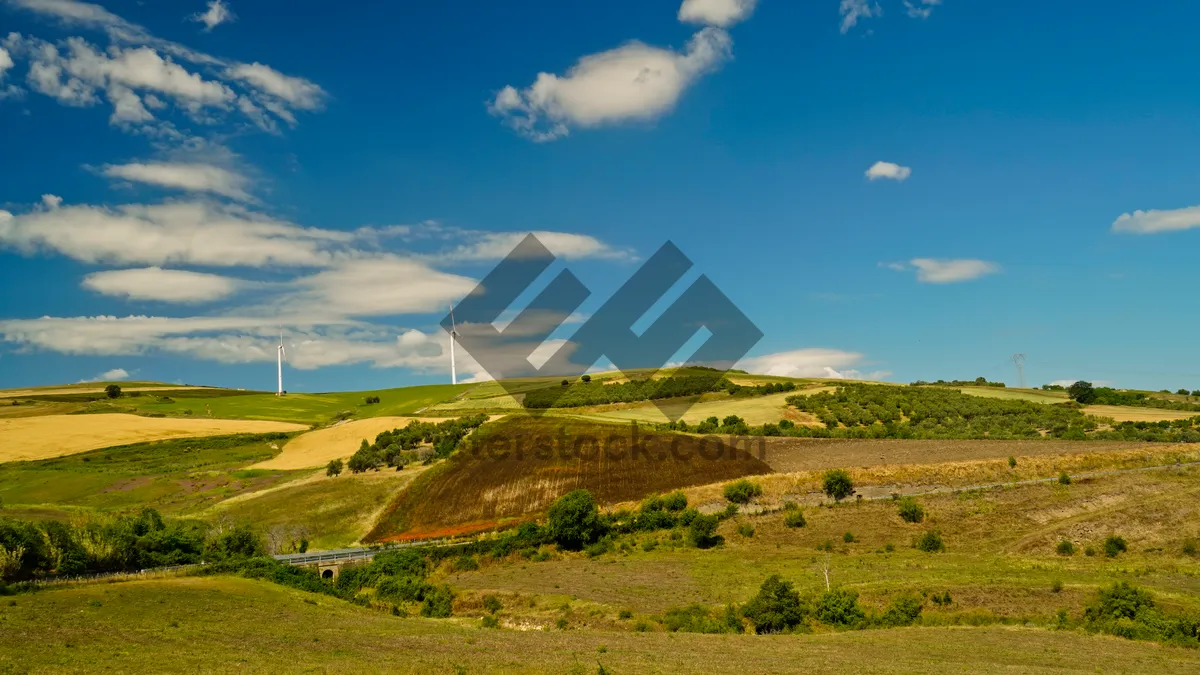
(329, 563)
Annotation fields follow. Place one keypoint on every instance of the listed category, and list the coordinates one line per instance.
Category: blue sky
(895, 190)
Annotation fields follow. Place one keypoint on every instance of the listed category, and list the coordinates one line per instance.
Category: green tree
(837, 484)
(574, 520)
(776, 608)
(839, 607)
(113, 391)
(1082, 392)
(703, 529)
(911, 511)
(438, 603)
(334, 468)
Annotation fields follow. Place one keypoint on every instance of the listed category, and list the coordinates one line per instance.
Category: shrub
(745, 530)
(839, 607)
(574, 520)
(1089, 551)
(942, 599)
(113, 391)
(703, 530)
(794, 519)
(1119, 601)
(561, 624)
(1064, 478)
(625, 614)
(1057, 586)
(903, 611)
(438, 603)
(837, 484)
(675, 501)
(599, 548)
(465, 563)
(1189, 547)
(777, 607)
(930, 542)
(1065, 548)
(490, 621)
(698, 619)
(848, 538)
(1114, 545)
(1012, 462)
(911, 511)
(742, 491)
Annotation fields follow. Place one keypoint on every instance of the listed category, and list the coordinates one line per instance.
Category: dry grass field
(755, 410)
(1123, 413)
(48, 436)
(317, 448)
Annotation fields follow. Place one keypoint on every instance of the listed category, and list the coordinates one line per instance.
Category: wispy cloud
(811, 362)
(935, 271)
(214, 15)
(1155, 221)
(920, 9)
(852, 11)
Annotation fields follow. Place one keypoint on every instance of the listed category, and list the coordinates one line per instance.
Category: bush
(1114, 545)
(574, 520)
(1057, 586)
(625, 614)
(1065, 548)
(466, 563)
(1012, 462)
(742, 491)
(837, 484)
(1064, 478)
(777, 607)
(703, 530)
(794, 519)
(745, 530)
(848, 538)
(1089, 551)
(1190, 548)
(492, 604)
(490, 621)
(930, 542)
(911, 511)
(438, 603)
(675, 501)
(334, 468)
(904, 610)
(839, 607)
(112, 391)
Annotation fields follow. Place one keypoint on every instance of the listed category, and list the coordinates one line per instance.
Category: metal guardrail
(351, 554)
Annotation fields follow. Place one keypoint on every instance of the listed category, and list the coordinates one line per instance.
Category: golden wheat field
(1123, 413)
(317, 448)
(58, 435)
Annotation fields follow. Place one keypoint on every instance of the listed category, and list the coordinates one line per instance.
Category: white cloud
(496, 245)
(216, 14)
(921, 9)
(155, 283)
(296, 91)
(6, 62)
(813, 362)
(237, 339)
(192, 177)
(114, 375)
(722, 13)
(195, 232)
(632, 82)
(384, 285)
(933, 271)
(1153, 221)
(853, 10)
(889, 171)
(51, 201)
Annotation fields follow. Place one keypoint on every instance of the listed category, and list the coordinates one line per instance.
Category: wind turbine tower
(279, 391)
(1019, 360)
(453, 337)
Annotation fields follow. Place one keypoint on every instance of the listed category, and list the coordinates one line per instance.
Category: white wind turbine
(281, 354)
(453, 336)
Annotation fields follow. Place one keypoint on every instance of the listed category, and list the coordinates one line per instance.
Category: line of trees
(585, 393)
(1084, 393)
(977, 382)
(116, 543)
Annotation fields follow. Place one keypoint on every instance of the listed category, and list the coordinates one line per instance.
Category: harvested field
(516, 467)
(755, 410)
(56, 391)
(1123, 413)
(58, 435)
(1032, 395)
(787, 455)
(317, 448)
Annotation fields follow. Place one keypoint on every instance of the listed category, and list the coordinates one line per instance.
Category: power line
(1019, 360)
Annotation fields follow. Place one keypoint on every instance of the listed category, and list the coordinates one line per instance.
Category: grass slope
(514, 468)
(238, 625)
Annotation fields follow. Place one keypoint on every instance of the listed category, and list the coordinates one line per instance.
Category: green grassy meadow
(239, 625)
